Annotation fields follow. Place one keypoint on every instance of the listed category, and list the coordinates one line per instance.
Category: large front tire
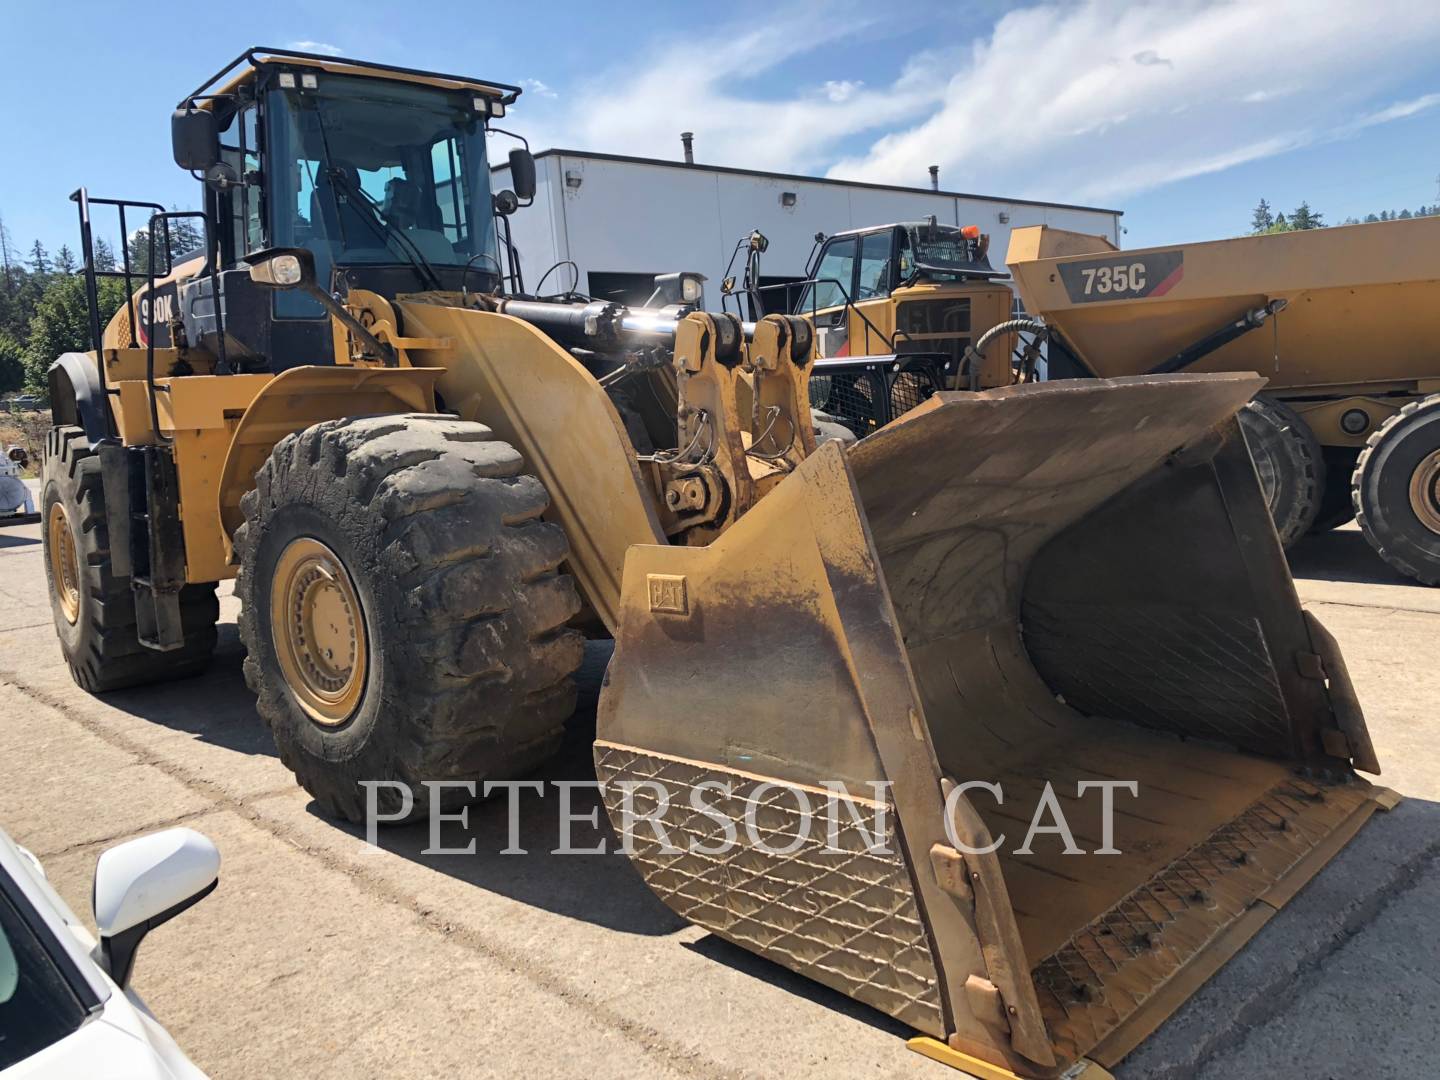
(403, 610)
(94, 610)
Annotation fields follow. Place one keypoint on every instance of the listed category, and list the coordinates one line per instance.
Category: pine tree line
(1265, 220)
(43, 311)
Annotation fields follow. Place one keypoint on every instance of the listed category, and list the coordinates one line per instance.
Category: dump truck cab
(912, 286)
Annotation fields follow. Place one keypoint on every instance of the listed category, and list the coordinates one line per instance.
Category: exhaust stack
(687, 139)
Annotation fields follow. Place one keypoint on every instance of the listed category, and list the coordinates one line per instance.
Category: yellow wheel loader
(430, 485)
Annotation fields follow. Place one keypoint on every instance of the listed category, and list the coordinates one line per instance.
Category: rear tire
(94, 610)
(1336, 506)
(1397, 490)
(1289, 463)
(460, 658)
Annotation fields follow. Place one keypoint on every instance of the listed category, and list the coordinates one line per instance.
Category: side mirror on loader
(195, 139)
(522, 174)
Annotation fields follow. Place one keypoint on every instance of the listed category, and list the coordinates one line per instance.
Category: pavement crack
(1285, 989)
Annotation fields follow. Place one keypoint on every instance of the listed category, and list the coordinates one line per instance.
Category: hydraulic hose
(970, 367)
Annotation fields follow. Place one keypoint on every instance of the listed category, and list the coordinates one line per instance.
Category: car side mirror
(522, 174)
(282, 268)
(194, 138)
(144, 883)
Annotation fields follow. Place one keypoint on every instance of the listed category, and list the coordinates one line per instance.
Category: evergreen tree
(1371, 217)
(1404, 215)
(186, 236)
(1305, 218)
(12, 364)
(1281, 225)
(61, 323)
(104, 255)
(6, 262)
(1262, 219)
(39, 259)
(65, 260)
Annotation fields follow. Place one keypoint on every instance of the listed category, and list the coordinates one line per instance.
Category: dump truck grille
(866, 394)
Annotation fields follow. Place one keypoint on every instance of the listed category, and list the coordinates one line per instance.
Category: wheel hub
(64, 565)
(319, 630)
(1425, 491)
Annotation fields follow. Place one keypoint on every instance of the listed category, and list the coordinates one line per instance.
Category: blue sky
(1183, 114)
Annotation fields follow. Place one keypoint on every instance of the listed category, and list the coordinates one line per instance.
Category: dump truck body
(424, 495)
(1360, 318)
(1342, 324)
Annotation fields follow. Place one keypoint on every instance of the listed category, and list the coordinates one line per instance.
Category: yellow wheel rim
(318, 628)
(1425, 491)
(64, 565)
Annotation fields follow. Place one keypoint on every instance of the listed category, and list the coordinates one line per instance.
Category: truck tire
(1336, 506)
(1396, 490)
(404, 612)
(94, 610)
(1289, 463)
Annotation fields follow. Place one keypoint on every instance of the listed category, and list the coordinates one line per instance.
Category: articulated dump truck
(1342, 322)
(430, 485)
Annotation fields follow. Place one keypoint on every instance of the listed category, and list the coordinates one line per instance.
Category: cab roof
(259, 56)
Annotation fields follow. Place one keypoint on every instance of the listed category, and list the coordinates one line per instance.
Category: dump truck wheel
(1289, 463)
(403, 610)
(1336, 506)
(1397, 490)
(94, 610)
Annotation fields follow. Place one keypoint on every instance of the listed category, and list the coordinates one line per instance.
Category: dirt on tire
(470, 659)
(102, 646)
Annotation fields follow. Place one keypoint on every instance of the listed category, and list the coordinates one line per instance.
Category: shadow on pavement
(1342, 555)
(10, 540)
(602, 889)
(216, 706)
(733, 956)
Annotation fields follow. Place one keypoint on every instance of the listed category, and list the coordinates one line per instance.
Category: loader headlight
(282, 268)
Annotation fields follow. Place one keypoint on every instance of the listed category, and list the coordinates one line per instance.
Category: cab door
(872, 316)
(824, 301)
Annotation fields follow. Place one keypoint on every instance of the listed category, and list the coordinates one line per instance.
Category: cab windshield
(364, 171)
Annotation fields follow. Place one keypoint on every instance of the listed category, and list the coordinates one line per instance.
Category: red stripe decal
(1169, 283)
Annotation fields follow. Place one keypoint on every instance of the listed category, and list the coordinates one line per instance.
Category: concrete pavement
(318, 957)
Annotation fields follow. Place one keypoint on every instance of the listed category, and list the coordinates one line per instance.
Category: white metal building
(622, 220)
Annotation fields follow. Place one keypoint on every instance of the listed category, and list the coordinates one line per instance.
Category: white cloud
(1088, 101)
(540, 89)
(838, 90)
(696, 84)
(320, 47)
(1043, 108)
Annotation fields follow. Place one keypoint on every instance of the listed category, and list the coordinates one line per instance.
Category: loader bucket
(1034, 585)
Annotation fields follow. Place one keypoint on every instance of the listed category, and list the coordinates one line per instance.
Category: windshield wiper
(374, 219)
(386, 230)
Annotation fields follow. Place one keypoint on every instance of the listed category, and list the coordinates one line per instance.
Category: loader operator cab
(381, 174)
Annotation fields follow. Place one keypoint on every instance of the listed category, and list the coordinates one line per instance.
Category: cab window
(835, 276)
(874, 276)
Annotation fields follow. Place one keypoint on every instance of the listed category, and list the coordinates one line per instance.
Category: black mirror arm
(354, 325)
(116, 955)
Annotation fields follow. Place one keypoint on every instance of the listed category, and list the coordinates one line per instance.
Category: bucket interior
(1079, 602)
